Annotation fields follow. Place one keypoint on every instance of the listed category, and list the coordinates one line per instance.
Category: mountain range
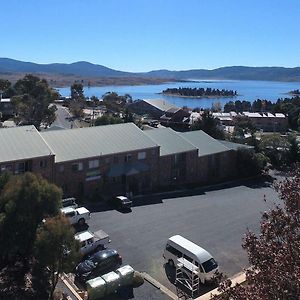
(85, 69)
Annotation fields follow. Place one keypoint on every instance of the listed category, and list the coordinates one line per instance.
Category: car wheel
(81, 221)
(171, 263)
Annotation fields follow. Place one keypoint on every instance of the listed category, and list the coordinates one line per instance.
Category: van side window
(188, 258)
(173, 251)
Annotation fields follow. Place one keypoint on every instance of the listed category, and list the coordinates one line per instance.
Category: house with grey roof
(155, 108)
(22, 149)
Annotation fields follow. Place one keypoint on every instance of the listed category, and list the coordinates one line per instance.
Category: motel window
(94, 163)
(141, 155)
(77, 167)
(20, 168)
(43, 164)
(127, 157)
(23, 167)
(6, 168)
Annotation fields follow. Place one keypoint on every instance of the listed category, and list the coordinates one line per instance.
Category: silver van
(180, 250)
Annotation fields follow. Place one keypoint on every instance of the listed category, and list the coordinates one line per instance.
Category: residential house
(155, 108)
(22, 149)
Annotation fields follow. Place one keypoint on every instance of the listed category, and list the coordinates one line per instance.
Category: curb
(64, 278)
(159, 286)
(204, 187)
(236, 279)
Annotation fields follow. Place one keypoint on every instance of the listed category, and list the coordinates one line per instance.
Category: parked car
(90, 241)
(121, 202)
(98, 264)
(78, 215)
(193, 258)
(69, 202)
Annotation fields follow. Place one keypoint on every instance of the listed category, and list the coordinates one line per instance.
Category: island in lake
(294, 92)
(199, 92)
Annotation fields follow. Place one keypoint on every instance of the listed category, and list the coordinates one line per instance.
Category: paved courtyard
(215, 219)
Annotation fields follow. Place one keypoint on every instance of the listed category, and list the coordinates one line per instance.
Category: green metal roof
(206, 144)
(170, 141)
(160, 104)
(73, 144)
(22, 142)
(234, 146)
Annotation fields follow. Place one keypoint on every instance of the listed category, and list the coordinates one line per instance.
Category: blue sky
(143, 35)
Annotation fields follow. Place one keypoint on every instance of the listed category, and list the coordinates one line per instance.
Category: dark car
(121, 202)
(98, 264)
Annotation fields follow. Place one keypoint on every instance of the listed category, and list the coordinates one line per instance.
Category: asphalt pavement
(214, 218)
(63, 118)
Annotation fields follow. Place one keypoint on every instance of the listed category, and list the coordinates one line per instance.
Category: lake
(249, 90)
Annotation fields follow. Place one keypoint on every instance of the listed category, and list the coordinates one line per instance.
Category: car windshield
(89, 263)
(209, 265)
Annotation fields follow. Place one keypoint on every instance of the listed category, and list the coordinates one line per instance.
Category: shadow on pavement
(157, 198)
(171, 275)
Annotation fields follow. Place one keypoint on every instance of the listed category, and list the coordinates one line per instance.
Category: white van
(179, 250)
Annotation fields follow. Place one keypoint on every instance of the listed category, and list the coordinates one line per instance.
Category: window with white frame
(142, 155)
(94, 163)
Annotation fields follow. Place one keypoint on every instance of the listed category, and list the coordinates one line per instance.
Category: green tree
(128, 117)
(77, 93)
(106, 120)
(24, 202)
(276, 148)
(4, 86)
(77, 99)
(56, 248)
(294, 150)
(229, 106)
(250, 163)
(116, 102)
(208, 124)
(242, 126)
(32, 100)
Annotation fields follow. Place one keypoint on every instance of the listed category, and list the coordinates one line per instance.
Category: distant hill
(234, 73)
(80, 68)
(86, 69)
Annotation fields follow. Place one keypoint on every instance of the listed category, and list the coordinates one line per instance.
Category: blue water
(247, 90)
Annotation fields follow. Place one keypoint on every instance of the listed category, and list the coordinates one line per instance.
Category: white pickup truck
(78, 215)
(92, 241)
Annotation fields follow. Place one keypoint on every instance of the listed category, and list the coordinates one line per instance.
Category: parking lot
(215, 219)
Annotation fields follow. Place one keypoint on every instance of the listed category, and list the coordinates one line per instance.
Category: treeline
(200, 92)
(288, 106)
(295, 92)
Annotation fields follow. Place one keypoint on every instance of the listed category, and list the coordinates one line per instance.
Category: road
(62, 118)
(215, 219)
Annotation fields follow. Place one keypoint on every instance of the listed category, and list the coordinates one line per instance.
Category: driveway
(214, 219)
